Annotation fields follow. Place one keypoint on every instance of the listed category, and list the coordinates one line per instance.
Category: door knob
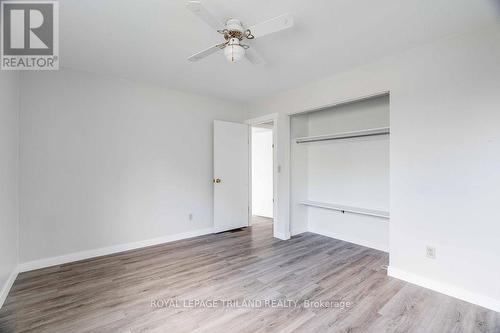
(217, 180)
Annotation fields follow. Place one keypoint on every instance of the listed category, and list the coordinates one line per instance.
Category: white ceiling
(149, 40)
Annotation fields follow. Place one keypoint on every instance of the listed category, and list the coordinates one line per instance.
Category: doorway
(262, 173)
(233, 204)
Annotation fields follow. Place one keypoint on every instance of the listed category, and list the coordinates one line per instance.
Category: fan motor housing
(234, 25)
(234, 29)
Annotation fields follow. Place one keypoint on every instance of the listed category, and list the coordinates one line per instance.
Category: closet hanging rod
(345, 135)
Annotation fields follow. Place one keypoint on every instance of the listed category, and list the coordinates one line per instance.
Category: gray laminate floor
(155, 290)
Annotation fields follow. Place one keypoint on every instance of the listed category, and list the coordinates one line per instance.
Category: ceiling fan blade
(273, 25)
(254, 57)
(204, 14)
(206, 53)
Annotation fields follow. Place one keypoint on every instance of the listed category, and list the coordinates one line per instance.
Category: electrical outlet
(430, 252)
(190, 216)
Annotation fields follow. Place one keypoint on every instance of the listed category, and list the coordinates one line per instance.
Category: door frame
(273, 117)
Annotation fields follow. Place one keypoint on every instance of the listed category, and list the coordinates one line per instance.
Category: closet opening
(339, 158)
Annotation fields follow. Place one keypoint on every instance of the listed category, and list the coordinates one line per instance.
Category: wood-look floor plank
(114, 293)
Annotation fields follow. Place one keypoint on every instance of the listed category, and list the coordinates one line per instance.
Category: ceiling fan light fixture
(234, 52)
(234, 32)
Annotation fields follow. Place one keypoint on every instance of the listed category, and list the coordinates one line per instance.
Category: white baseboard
(444, 288)
(281, 235)
(8, 284)
(71, 257)
(298, 231)
(358, 241)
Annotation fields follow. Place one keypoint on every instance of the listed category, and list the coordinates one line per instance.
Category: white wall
(445, 184)
(9, 134)
(262, 172)
(106, 161)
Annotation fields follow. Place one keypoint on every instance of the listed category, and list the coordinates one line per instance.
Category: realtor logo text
(30, 35)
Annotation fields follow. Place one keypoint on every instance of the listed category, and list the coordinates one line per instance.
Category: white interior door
(230, 175)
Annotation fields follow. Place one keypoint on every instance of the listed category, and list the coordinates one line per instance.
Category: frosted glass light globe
(234, 52)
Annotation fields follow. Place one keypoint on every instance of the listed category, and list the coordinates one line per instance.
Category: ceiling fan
(234, 33)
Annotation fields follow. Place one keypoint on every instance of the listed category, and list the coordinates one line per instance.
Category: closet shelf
(341, 208)
(345, 135)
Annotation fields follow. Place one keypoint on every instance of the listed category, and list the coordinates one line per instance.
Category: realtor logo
(29, 35)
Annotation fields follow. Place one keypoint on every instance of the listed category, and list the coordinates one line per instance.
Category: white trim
(298, 231)
(342, 102)
(445, 288)
(7, 286)
(262, 119)
(344, 238)
(281, 236)
(257, 121)
(285, 171)
(250, 189)
(71, 257)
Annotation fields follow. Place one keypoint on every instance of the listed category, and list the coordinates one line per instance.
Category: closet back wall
(107, 161)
